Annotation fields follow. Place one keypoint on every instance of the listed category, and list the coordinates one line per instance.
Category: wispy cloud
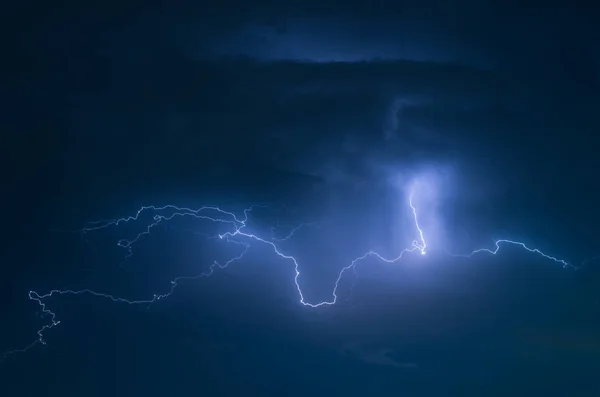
(377, 356)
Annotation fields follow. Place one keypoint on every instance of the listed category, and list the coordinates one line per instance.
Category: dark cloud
(138, 95)
(336, 112)
(151, 72)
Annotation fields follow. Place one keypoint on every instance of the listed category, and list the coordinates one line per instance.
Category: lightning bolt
(500, 242)
(420, 245)
(238, 234)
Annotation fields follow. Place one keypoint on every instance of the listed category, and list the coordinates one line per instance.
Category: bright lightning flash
(420, 244)
(239, 234)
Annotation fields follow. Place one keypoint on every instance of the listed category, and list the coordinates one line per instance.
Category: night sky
(320, 113)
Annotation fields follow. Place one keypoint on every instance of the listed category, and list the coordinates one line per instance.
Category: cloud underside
(329, 119)
(344, 123)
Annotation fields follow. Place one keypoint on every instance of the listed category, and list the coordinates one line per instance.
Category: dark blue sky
(315, 107)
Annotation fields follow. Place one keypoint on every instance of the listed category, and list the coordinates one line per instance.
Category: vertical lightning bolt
(420, 245)
(238, 235)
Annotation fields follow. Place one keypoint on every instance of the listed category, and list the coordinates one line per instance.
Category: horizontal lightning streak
(497, 244)
(238, 225)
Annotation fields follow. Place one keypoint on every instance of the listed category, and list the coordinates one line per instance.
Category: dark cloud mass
(332, 112)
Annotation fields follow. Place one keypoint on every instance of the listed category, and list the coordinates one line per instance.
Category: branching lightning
(239, 234)
(500, 242)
